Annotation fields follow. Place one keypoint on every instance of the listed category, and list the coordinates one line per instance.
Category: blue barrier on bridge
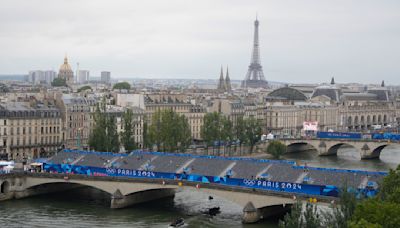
(386, 136)
(288, 187)
(338, 135)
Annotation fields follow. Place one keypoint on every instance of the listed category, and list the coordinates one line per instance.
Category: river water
(67, 210)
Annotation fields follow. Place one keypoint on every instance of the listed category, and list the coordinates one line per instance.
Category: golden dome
(65, 66)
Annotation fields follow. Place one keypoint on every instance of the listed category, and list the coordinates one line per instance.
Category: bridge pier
(118, 200)
(251, 214)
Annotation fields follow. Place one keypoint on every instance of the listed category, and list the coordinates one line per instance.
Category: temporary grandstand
(242, 168)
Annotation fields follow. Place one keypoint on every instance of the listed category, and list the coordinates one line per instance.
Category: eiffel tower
(255, 76)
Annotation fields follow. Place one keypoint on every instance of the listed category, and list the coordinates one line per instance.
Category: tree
(383, 209)
(340, 214)
(122, 85)
(390, 188)
(294, 219)
(276, 149)
(104, 136)
(216, 128)
(362, 223)
(58, 82)
(239, 132)
(380, 211)
(252, 132)
(185, 137)
(127, 136)
(146, 140)
(169, 131)
(83, 88)
(112, 135)
(209, 130)
(98, 136)
(311, 216)
(377, 212)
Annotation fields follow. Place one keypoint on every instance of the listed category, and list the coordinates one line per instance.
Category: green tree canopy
(384, 209)
(252, 129)
(83, 88)
(122, 85)
(58, 82)
(216, 128)
(276, 149)
(127, 136)
(169, 131)
(104, 136)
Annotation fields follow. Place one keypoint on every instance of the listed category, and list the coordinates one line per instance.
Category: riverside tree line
(169, 131)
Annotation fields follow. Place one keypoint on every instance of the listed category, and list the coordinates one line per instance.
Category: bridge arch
(4, 187)
(376, 152)
(299, 146)
(333, 149)
(110, 187)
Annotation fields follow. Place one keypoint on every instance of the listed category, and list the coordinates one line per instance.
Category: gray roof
(330, 91)
(288, 93)
(77, 100)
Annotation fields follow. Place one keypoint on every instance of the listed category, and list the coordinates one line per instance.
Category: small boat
(179, 222)
(212, 211)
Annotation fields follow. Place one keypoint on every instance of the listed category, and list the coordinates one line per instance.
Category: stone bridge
(324, 147)
(124, 192)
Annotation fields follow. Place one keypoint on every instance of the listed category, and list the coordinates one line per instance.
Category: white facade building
(82, 76)
(41, 77)
(106, 76)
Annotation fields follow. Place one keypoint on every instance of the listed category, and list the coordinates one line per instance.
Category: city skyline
(311, 41)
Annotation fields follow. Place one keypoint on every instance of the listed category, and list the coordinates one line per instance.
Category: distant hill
(15, 77)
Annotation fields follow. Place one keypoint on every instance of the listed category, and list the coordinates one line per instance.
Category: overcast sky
(300, 40)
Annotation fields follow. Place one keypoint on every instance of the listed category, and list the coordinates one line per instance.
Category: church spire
(383, 83)
(333, 81)
(221, 83)
(228, 86)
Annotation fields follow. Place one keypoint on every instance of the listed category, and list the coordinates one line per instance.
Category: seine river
(65, 210)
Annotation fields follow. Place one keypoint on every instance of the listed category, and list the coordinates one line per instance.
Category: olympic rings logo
(249, 182)
(110, 171)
